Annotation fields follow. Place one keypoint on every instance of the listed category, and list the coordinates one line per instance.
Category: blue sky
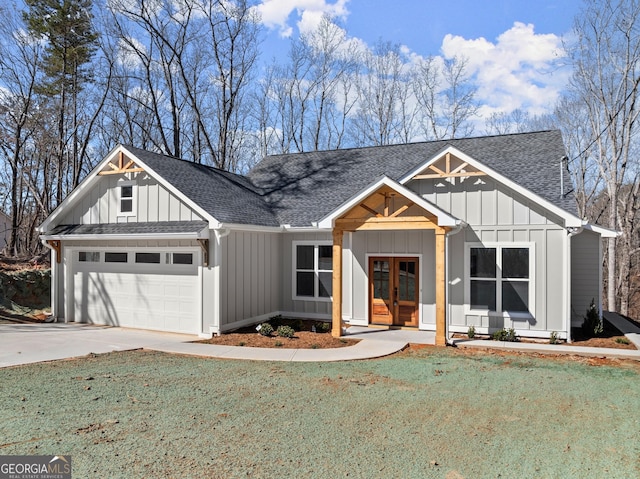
(514, 47)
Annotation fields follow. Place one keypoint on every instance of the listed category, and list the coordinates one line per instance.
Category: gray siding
(585, 271)
(250, 273)
(153, 203)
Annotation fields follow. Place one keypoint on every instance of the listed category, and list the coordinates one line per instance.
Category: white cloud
(277, 13)
(521, 69)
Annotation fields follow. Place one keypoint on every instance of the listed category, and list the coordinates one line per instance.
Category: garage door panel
(159, 296)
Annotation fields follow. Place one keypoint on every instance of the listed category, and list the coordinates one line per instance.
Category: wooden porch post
(441, 339)
(336, 327)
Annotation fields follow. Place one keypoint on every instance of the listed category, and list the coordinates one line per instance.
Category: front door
(393, 291)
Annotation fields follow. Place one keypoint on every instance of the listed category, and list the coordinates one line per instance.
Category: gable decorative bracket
(204, 245)
(121, 167)
(443, 168)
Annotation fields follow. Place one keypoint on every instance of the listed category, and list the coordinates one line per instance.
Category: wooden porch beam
(389, 223)
(370, 210)
(441, 297)
(336, 278)
(204, 245)
(402, 209)
(450, 175)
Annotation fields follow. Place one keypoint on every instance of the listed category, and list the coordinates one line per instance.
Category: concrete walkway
(31, 343)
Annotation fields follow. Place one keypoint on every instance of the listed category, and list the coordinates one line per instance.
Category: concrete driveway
(32, 343)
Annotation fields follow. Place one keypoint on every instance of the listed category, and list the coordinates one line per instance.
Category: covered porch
(388, 206)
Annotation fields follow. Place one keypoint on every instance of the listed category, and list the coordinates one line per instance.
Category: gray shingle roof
(303, 188)
(228, 197)
(130, 228)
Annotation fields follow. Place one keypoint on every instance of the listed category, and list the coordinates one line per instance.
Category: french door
(394, 290)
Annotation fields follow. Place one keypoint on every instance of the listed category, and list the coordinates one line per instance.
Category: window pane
(325, 258)
(483, 263)
(305, 283)
(148, 258)
(326, 284)
(89, 256)
(116, 257)
(515, 296)
(126, 206)
(483, 295)
(182, 258)
(126, 191)
(515, 262)
(381, 280)
(304, 257)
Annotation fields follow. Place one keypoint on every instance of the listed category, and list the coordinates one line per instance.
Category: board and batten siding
(250, 275)
(153, 202)
(362, 245)
(496, 214)
(320, 309)
(586, 264)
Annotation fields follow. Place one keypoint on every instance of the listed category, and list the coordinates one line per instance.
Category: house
(439, 235)
(5, 229)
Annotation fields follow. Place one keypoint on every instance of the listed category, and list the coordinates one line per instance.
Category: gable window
(127, 199)
(500, 279)
(313, 264)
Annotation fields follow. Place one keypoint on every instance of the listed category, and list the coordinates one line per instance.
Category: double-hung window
(126, 200)
(312, 264)
(500, 279)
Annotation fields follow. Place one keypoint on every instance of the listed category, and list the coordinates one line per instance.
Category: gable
(152, 202)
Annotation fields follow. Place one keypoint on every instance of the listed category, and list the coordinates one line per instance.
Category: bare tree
(606, 60)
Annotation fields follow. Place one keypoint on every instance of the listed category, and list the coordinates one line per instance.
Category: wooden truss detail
(121, 167)
(56, 245)
(449, 167)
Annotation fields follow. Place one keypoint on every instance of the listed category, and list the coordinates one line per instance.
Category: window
(313, 264)
(151, 258)
(182, 258)
(116, 257)
(500, 278)
(126, 205)
(89, 256)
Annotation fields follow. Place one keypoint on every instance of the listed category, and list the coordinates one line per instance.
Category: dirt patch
(611, 337)
(308, 335)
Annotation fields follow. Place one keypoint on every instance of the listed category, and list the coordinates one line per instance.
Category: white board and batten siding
(250, 277)
(497, 215)
(153, 202)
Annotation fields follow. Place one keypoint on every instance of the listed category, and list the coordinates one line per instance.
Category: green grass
(142, 414)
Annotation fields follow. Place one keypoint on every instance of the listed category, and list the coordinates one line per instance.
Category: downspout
(449, 233)
(572, 232)
(217, 274)
(54, 280)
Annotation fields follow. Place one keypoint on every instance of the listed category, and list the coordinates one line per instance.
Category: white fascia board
(254, 228)
(444, 218)
(602, 231)
(569, 219)
(77, 194)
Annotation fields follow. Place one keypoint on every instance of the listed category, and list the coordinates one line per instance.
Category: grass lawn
(423, 413)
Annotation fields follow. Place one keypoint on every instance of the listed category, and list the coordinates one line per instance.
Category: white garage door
(138, 289)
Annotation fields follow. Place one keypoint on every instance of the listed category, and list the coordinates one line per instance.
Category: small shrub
(285, 332)
(471, 332)
(622, 341)
(323, 327)
(315, 346)
(553, 338)
(278, 344)
(592, 325)
(343, 341)
(505, 335)
(242, 343)
(265, 329)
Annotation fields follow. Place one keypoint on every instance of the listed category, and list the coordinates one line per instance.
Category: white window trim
(134, 198)
(532, 280)
(294, 270)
